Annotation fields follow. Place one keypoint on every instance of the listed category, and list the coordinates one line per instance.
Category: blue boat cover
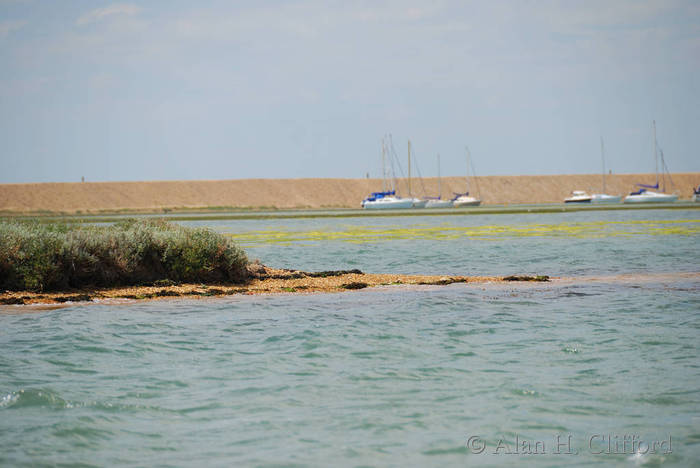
(374, 196)
(655, 186)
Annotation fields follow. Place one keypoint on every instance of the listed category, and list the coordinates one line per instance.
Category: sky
(181, 90)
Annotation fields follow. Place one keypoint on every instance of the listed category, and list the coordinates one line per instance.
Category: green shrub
(45, 257)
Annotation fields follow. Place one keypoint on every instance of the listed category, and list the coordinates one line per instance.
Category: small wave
(83, 433)
(28, 398)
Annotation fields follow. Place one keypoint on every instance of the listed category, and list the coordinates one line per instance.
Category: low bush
(42, 257)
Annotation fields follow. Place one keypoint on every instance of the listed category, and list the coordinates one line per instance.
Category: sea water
(601, 369)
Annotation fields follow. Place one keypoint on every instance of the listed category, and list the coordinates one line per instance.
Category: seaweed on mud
(539, 278)
(326, 274)
(74, 298)
(354, 285)
(11, 300)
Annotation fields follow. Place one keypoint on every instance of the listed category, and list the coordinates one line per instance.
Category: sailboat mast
(439, 180)
(467, 177)
(602, 156)
(383, 167)
(409, 168)
(663, 170)
(656, 156)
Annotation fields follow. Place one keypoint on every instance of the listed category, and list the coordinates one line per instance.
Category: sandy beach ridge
(159, 196)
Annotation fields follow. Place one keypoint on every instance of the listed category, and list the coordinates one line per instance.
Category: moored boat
(578, 196)
(647, 196)
(438, 202)
(418, 203)
(644, 195)
(604, 197)
(464, 199)
(386, 201)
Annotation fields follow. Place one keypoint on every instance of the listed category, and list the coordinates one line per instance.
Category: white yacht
(644, 195)
(604, 197)
(418, 203)
(647, 196)
(578, 196)
(386, 201)
(438, 202)
(464, 199)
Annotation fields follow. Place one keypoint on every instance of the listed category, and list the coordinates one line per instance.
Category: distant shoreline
(207, 214)
(246, 196)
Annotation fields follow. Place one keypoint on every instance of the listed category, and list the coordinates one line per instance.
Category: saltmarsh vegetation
(46, 257)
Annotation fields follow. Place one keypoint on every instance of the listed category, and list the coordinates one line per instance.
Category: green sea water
(462, 375)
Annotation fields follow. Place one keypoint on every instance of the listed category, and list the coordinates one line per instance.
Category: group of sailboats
(642, 195)
(387, 198)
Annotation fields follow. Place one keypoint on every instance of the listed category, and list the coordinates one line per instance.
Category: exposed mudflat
(268, 281)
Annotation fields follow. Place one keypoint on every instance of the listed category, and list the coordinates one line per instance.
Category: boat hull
(578, 196)
(418, 203)
(577, 200)
(439, 204)
(604, 198)
(651, 197)
(466, 201)
(389, 204)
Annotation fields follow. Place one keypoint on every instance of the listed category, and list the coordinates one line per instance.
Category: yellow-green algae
(447, 231)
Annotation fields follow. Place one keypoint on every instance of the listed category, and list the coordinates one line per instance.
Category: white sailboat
(604, 197)
(438, 202)
(644, 195)
(386, 199)
(464, 199)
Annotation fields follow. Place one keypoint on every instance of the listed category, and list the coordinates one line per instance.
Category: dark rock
(325, 274)
(166, 282)
(354, 285)
(74, 298)
(539, 278)
(11, 300)
(166, 292)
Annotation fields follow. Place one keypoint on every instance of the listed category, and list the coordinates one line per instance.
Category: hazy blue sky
(222, 89)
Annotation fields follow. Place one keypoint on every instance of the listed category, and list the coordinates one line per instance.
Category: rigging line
(420, 176)
(664, 168)
(395, 157)
(476, 182)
